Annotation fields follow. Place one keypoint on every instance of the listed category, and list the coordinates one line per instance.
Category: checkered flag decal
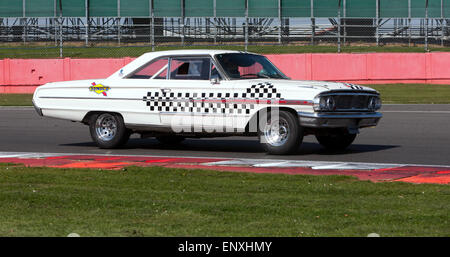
(262, 90)
(352, 86)
(210, 102)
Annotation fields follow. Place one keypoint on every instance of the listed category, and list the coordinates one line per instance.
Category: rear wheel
(336, 141)
(108, 130)
(282, 134)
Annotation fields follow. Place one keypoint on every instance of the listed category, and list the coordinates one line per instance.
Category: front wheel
(336, 141)
(280, 134)
(108, 130)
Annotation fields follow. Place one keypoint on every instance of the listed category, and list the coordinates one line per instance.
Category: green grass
(174, 202)
(36, 51)
(390, 93)
(16, 99)
(414, 93)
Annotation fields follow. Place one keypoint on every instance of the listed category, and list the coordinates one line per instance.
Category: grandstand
(279, 21)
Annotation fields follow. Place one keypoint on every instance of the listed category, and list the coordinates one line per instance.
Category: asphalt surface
(407, 134)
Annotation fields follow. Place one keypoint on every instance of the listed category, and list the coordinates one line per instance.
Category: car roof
(192, 52)
(145, 58)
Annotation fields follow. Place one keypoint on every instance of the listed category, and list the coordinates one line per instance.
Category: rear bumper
(339, 120)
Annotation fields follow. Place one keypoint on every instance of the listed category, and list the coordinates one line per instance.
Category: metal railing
(127, 36)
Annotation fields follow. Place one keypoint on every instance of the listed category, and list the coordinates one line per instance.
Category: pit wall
(24, 75)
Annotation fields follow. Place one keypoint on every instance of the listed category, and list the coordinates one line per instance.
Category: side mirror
(215, 80)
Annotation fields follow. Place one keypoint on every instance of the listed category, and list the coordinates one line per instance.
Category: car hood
(318, 86)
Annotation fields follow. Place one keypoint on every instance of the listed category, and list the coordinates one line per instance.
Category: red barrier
(370, 68)
(23, 75)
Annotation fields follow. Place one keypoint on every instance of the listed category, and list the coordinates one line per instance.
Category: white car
(172, 95)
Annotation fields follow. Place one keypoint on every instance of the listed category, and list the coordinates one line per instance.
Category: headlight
(378, 105)
(330, 103)
(374, 103)
(316, 105)
(324, 103)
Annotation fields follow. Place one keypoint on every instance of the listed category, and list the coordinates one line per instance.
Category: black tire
(290, 133)
(108, 130)
(170, 140)
(336, 141)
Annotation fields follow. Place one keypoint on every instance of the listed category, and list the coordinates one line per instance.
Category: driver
(231, 67)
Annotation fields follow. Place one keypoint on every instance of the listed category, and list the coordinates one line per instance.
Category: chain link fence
(266, 26)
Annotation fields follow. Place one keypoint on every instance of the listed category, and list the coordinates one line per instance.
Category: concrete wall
(23, 75)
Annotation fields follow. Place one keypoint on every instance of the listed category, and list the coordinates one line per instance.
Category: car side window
(190, 68)
(156, 69)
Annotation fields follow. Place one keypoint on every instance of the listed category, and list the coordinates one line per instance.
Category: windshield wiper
(258, 75)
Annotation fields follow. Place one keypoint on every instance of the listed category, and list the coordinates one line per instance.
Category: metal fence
(250, 25)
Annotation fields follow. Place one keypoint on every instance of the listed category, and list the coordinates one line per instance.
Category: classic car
(173, 95)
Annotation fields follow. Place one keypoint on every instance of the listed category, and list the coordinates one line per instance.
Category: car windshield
(248, 66)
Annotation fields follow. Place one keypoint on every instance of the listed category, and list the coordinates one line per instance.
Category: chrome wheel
(106, 127)
(276, 132)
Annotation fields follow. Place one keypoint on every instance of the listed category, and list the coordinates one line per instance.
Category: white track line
(316, 165)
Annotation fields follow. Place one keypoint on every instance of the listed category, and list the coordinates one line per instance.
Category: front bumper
(339, 120)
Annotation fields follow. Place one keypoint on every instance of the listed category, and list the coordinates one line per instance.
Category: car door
(195, 98)
(139, 89)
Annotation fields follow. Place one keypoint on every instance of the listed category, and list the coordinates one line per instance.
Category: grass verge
(390, 93)
(158, 201)
(16, 99)
(414, 93)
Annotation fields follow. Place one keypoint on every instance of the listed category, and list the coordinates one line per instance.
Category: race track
(407, 134)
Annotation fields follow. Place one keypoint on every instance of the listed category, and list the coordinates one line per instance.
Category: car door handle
(165, 90)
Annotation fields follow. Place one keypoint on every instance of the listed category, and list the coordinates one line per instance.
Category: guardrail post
(118, 22)
(339, 26)
(313, 23)
(86, 10)
(246, 25)
(152, 25)
(54, 20)
(442, 23)
(215, 20)
(409, 23)
(345, 21)
(182, 22)
(426, 25)
(60, 29)
(24, 22)
(377, 23)
(280, 20)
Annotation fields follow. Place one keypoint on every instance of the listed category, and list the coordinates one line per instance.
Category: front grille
(351, 102)
(347, 101)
